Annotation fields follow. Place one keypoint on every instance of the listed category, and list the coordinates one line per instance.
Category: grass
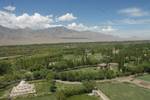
(52, 97)
(4, 93)
(124, 91)
(45, 97)
(145, 77)
(68, 57)
(83, 97)
(86, 70)
(97, 56)
(61, 86)
(42, 87)
(115, 91)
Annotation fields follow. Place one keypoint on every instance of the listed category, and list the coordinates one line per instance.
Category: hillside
(50, 35)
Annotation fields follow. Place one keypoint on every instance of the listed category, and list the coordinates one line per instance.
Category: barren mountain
(50, 35)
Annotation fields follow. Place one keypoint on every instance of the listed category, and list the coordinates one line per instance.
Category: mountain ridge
(50, 35)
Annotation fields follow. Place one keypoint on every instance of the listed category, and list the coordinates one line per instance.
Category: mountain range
(50, 35)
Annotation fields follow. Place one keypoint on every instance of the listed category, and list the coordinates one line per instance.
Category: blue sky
(118, 17)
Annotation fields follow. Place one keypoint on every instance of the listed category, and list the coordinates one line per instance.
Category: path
(102, 95)
(120, 79)
(141, 83)
(67, 82)
(138, 82)
(10, 57)
(129, 79)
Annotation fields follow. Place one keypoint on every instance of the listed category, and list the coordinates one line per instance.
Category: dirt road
(129, 79)
(102, 95)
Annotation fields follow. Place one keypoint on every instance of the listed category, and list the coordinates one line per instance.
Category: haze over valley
(74, 49)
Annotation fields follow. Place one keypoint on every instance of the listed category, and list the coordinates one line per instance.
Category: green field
(87, 70)
(124, 91)
(5, 92)
(145, 77)
(83, 97)
(61, 86)
(52, 97)
(70, 56)
(42, 87)
(75, 62)
(47, 97)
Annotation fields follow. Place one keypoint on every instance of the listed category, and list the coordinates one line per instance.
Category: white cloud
(75, 26)
(38, 21)
(67, 17)
(82, 27)
(135, 21)
(130, 21)
(133, 12)
(108, 29)
(10, 8)
(35, 21)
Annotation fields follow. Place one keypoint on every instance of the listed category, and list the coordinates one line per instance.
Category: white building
(22, 88)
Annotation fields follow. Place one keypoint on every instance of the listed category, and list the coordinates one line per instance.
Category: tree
(28, 76)
(37, 75)
(89, 85)
(60, 95)
(146, 67)
(5, 67)
(101, 74)
(50, 76)
(110, 74)
(53, 86)
(120, 60)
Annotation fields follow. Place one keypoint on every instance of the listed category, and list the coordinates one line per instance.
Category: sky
(124, 18)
